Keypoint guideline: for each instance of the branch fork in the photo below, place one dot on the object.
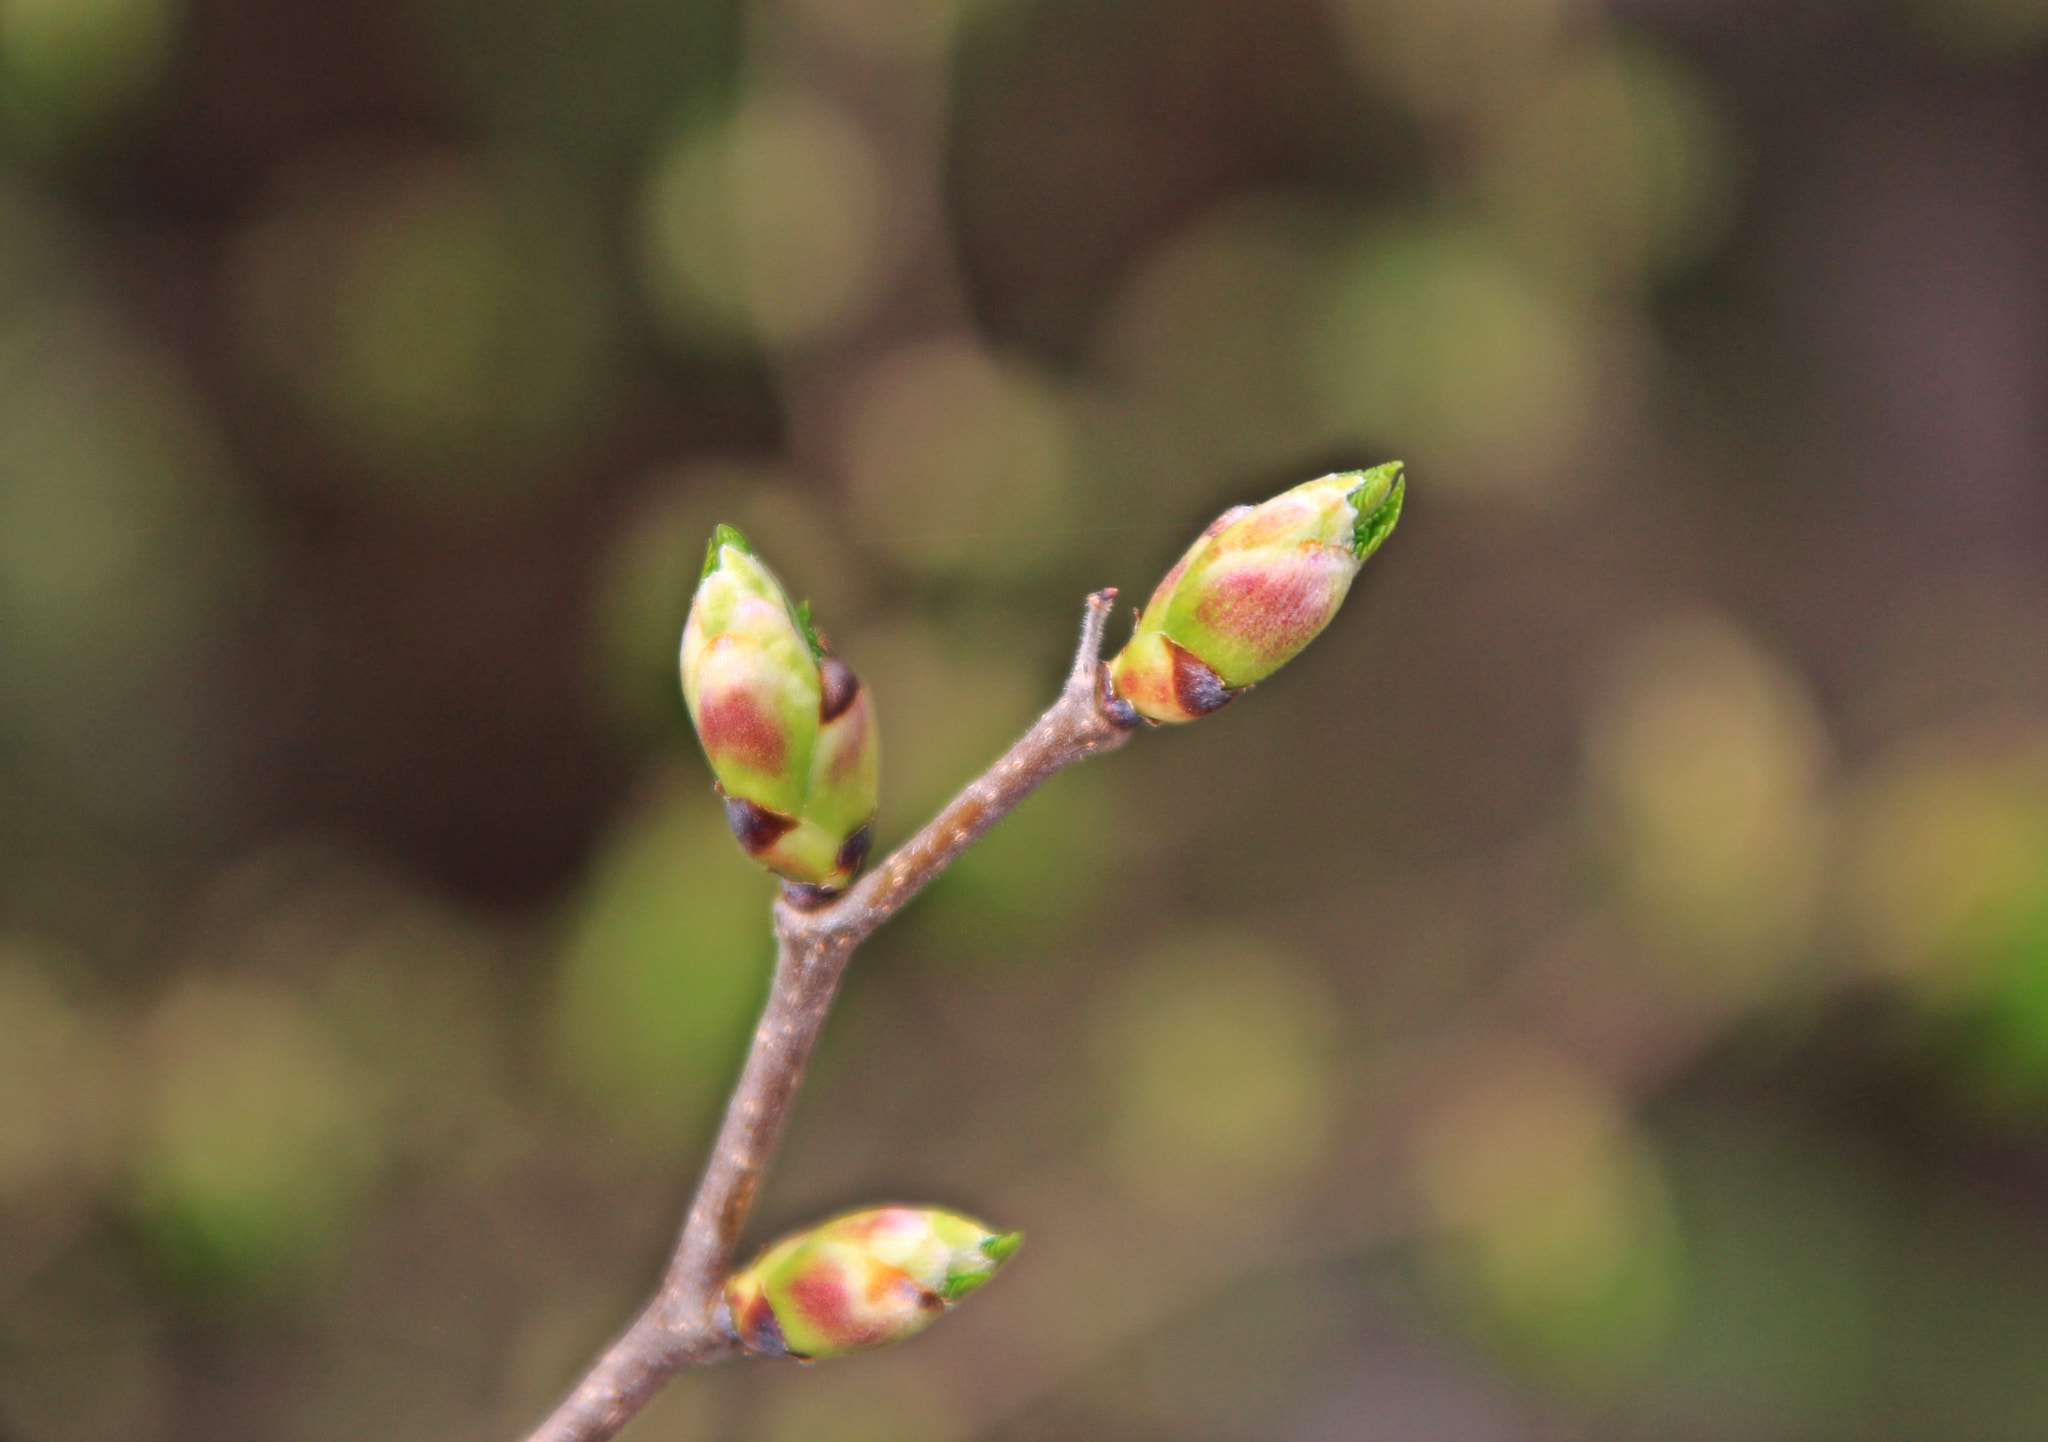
(816, 934)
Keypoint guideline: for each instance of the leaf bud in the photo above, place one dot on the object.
(785, 724)
(1253, 590)
(864, 1280)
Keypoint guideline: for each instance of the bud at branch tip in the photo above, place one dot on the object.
(785, 724)
(865, 1280)
(1255, 588)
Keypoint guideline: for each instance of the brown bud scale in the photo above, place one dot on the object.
(754, 826)
(838, 688)
(1120, 711)
(758, 1330)
(854, 850)
(805, 896)
(1198, 689)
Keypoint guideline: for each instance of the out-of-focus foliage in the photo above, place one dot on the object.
(1949, 880)
(1706, 766)
(72, 69)
(1553, 1227)
(1216, 1072)
(1434, 338)
(664, 965)
(1035, 881)
(447, 327)
(256, 1132)
(765, 225)
(959, 465)
(1600, 989)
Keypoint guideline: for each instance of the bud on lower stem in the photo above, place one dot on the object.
(785, 724)
(1254, 589)
(864, 1280)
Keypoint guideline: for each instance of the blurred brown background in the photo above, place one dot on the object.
(1599, 991)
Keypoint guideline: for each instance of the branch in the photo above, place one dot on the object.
(685, 1324)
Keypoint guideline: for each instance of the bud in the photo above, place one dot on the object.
(1253, 590)
(785, 724)
(867, 1279)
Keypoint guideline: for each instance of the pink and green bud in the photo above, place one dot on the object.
(785, 724)
(1254, 589)
(864, 1280)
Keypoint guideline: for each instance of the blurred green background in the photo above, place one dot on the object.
(1599, 992)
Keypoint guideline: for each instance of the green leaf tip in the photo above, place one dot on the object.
(722, 536)
(969, 1272)
(1377, 496)
(804, 623)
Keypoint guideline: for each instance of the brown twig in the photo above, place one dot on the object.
(686, 1324)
